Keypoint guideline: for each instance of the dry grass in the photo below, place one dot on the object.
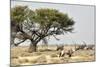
(20, 56)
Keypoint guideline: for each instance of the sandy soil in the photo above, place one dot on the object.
(20, 56)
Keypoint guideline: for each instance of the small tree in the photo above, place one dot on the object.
(39, 24)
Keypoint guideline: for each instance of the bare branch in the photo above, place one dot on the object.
(55, 37)
(20, 42)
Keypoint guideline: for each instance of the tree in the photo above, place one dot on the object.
(39, 24)
(18, 15)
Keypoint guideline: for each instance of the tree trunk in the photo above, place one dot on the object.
(13, 35)
(32, 47)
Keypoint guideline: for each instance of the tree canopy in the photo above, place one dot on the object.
(40, 23)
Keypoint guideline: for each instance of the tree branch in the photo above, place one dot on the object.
(20, 42)
(55, 37)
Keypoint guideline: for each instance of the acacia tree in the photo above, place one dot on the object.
(39, 24)
(18, 15)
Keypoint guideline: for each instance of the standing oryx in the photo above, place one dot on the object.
(68, 52)
(83, 46)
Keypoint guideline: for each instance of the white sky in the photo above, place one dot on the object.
(84, 16)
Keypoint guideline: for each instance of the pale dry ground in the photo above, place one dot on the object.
(44, 55)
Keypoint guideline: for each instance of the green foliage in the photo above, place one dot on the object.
(52, 18)
(20, 13)
(41, 23)
(44, 17)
